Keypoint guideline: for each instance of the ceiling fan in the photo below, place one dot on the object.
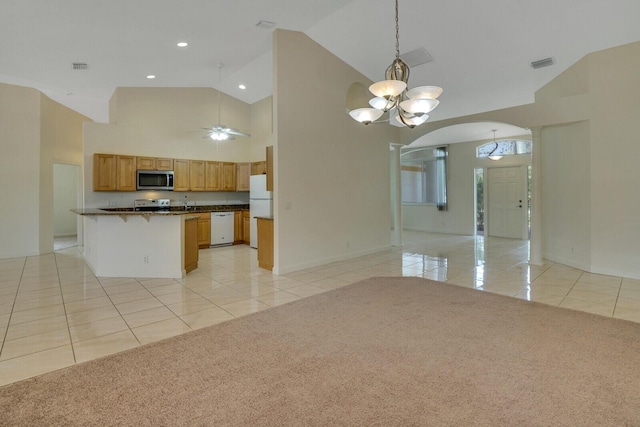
(220, 132)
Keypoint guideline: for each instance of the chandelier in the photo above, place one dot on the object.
(407, 107)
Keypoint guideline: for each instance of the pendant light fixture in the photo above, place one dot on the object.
(491, 155)
(407, 107)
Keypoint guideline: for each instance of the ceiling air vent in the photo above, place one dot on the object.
(416, 57)
(542, 63)
(79, 66)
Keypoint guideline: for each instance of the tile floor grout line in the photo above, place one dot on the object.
(15, 298)
(64, 307)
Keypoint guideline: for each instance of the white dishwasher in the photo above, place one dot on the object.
(222, 228)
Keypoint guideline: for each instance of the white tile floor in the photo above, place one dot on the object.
(54, 312)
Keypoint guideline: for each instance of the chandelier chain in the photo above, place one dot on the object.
(397, 33)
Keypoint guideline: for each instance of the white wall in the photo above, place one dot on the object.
(332, 196)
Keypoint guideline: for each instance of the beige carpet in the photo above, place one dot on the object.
(382, 352)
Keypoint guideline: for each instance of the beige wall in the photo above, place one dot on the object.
(332, 191)
(160, 122)
(588, 119)
(35, 132)
(19, 171)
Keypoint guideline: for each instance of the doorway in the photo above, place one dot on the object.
(66, 196)
(507, 202)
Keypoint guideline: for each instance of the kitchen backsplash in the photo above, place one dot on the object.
(195, 198)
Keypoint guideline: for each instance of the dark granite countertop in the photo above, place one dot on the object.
(174, 210)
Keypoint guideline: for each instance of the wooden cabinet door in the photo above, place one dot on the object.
(126, 173)
(190, 245)
(259, 168)
(213, 173)
(181, 175)
(164, 164)
(146, 163)
(243, 173)
(237, 227)
(196, 175)
(265, 243)
(270, 168)
(104, 172)
(204, 230)
(228, 176)
(246, 227)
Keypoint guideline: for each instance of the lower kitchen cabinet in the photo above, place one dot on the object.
(191, 243)
(265, 243)
(246, 227)
(237, 228)
(204, 229)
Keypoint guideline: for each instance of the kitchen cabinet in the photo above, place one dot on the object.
(265, 243)
(259, 168)
(112, 172)
(164, 164)
(237, 228)
(228, 176)
(126, 173)
(196, 175)
(146, 163)
(204, 229)
(246, 227)
(104, 172)
(180, 175)
(213, 179)
(153, 163)
(243, 173)
(191, 243)
(270, 168)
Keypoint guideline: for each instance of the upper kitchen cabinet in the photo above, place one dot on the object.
(270, 168)
(196, 175)
(228, 176)
(181, 175)
(243, 173)
(153, 163)
(114, 173)
(259, 168)
(213, 176)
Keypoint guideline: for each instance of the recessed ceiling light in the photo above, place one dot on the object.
(151, 76)
(241, 86)
(183, 44)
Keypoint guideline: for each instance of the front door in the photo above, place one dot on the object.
(507, 202)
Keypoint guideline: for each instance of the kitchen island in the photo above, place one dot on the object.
(121, 242)
(134, 244)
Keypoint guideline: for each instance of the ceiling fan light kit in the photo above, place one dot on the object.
(220, 132)
(408, 108)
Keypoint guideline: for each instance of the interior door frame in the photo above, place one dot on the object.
(524, 229)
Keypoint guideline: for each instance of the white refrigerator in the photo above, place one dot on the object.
(260, 204)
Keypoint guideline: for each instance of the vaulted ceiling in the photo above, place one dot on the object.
(481, 50)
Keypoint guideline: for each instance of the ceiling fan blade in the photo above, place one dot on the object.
(236, 132)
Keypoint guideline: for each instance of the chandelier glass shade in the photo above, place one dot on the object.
(405, 107)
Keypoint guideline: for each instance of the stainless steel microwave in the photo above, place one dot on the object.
(154, 180)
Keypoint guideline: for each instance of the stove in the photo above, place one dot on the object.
(152, 205)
